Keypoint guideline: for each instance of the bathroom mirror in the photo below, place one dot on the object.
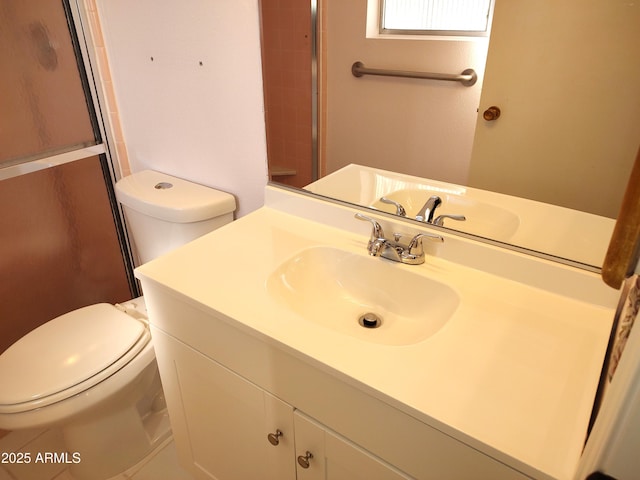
(573, 143)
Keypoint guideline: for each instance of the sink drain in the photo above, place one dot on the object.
(370, 320)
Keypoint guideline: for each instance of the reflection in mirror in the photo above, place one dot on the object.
(529, 224)
(287, 69)
(564, 141)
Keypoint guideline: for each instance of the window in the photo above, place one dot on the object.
(435, 17)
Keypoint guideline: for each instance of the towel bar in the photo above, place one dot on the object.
(466, 78)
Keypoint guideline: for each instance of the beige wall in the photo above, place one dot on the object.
(418, 127)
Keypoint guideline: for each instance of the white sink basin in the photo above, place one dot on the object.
(334, 288)
(483, 219)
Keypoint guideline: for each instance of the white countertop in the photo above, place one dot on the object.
(513, 372)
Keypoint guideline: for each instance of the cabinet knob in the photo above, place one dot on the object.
(303, 461)
(274, 438)
(491, 114)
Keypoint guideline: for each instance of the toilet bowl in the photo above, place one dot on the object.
(99, 373)
(92, 372)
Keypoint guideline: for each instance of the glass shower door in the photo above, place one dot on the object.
(60, 236)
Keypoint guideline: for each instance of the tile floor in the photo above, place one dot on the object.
(161, 464)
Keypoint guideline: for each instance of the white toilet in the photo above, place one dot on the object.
(92, 372)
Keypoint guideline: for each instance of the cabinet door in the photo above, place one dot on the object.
(220, 420)
(333, 457)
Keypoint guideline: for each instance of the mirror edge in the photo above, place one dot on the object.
(624, 248)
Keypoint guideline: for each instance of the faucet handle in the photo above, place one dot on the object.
(416, 242)
(376, 229)
(377, 241)
(439, 221)
(399, 208)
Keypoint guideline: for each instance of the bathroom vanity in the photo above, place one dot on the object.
(485, 365)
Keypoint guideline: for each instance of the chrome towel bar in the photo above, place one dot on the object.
(466, 78)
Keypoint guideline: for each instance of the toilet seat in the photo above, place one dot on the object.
(91, 344)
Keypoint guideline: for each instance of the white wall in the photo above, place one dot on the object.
(196, 110)
(418, 127)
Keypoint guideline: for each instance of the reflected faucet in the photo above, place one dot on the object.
(426, 213)
(399, 208)
(439, 221)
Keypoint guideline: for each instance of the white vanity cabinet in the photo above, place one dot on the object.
(333, 457)
(228, 389)
(221, 421)
(227, 428)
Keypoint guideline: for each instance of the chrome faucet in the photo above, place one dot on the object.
(428, 210)
(399, 249)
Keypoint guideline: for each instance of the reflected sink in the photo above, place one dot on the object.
(483, 219)
(334, 288)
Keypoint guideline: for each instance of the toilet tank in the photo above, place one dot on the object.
(165, 212)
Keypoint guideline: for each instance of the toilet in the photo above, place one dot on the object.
(92, 372)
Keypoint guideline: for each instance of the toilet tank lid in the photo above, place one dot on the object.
(172, 199)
